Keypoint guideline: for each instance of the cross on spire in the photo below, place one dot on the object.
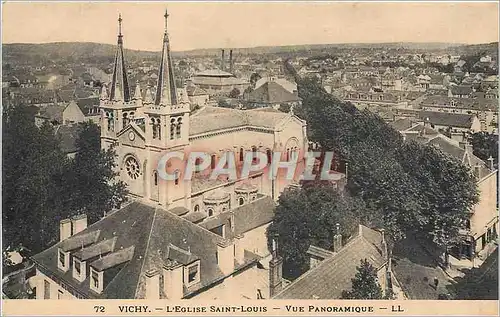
(166, 19)
(120, 24)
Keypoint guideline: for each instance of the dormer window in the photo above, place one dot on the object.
(79, 271)
(96, 280)
(192, 274)
(63, 260)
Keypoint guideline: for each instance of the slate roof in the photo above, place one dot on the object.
(447, 119)
(67, 135)
(52, 112)
(210, 119)
(402, 124)
(271, 93)
(479, 103)
(144, 238)
(85, 104)
(333, 275)
(195, 91)
(461, 90)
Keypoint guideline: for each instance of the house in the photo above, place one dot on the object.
(197, 96)
(482, 227)
(67, 114)
(217, 82)
(484, 108)
(272, 94)
(457, 122)
(90, 109)
(460, 91)
(331, 271)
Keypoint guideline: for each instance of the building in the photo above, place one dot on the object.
(177, 238)
(219, 83)
(484, 108)
(271, 94)
(454, 122)
(483, 226)
(331, 271)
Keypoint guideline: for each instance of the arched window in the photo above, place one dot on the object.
(241, 201)
(155, 131)
(287, 154)
(212, 162)
(111, 123)
(197, 164)
(177, 175)
(269, 156)
(125, 120)
(210, 212)
(155, 177)
(196, 208)
(241, 154)
(254, 154)
(224, 209)
(172, 129)
(158, 128)
(178, 128)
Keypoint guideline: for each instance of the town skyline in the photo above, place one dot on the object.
(373, 23)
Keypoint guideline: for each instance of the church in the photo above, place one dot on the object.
(175, 239)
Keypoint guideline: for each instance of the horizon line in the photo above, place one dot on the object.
(255, 47)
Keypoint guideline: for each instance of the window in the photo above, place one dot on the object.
(62, 259)
(197, 164)
(212, 162)
(155, 177)
(196, 208)
(269, 156)
(210, 212)
(60, 294)
(254, 154)
(172, 129)
(241, 154)
(78, 267)
(177, 175)
(193, 274)
(241, 201)
(95, 279)
(132, 167)
(178, 128)
(46, 289)
(125, 120)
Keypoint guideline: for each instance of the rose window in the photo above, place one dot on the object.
(132, 167)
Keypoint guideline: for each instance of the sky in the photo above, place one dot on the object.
(235, 25)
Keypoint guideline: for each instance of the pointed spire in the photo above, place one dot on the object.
(148, 98)
(104, 93)
(137, 93)
(120, 90)
(166, 93)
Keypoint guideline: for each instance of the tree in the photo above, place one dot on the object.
(308, 216)
(364, 283)
(485, 145)
(33, 181)
(94, 186)
(254, 78)
(235, 93)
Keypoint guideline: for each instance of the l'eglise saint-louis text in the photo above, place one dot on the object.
(216, 309)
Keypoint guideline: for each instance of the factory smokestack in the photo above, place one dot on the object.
(231, 61)
(222, 64)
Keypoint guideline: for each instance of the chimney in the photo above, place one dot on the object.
(231, 61)
(223, 62)
(384, 244)
(477, 170)
(225, 257)
(173, 283)
(79, 223)
(152, 284)
(275, 270)
(64, 229)
(337, 239)
(239, 251)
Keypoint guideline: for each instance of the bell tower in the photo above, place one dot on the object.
(166, 115)
(118, 106)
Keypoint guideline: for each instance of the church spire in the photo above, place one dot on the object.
(166, 93)
(120, 90)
